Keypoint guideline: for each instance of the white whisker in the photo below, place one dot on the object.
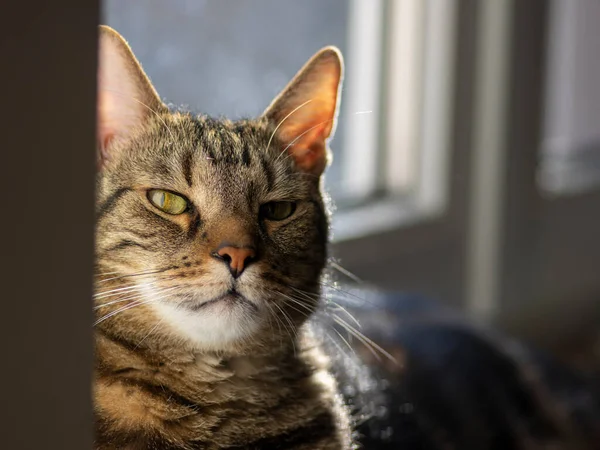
(124, 308)
(284, 119)
(345, 341)
(121, 289)
(137, 295)
(302, 134)
(291, 329)
(368, 343)
(338, 307)
(149, 272)
(346, 272)
(152, 330)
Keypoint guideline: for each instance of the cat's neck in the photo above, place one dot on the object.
(206, 396)
(120, 358)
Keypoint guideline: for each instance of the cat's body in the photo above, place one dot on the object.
(183, 400)
(461, 386)
(210, 241)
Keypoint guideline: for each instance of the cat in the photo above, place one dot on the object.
(211, 237)
(211, 324)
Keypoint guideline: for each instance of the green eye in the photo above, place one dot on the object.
(167, 201)
(277, 210)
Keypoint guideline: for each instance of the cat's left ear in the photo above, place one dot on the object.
(305, 112)
(126, 98)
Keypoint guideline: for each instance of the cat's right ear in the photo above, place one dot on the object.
(126, 98)
(304, 114)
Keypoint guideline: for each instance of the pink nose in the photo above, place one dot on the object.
(236, 258)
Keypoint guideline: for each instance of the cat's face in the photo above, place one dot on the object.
(210, 232)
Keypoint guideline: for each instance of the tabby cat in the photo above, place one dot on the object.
(210, 242)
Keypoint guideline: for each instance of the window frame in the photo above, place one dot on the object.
(417, 241)
(501, 250)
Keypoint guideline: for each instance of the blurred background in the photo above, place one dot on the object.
(467, 154)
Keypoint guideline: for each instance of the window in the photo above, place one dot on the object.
(571, 147)
(398, 104)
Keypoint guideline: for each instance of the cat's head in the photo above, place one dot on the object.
(210, 233)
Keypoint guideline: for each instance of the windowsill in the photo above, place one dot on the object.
(376, 217)
(572, 173)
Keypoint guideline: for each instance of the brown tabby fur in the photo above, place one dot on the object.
(172, 371)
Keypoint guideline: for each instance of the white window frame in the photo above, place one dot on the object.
(498, 247)
(398, 114)
(412, 143)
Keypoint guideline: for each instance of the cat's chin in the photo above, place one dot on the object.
(222, 303)
(215, 324)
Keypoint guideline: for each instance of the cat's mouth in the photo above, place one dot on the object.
(230, 297)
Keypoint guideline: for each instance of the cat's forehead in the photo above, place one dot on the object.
(226, 142)
(222, 158)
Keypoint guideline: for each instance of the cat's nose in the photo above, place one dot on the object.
(236, 258)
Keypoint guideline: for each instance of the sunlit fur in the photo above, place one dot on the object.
(229, 176)
(172, 369)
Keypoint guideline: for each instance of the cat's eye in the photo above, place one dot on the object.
(277, 210)
(167, 201)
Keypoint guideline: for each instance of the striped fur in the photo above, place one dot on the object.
(175, 368)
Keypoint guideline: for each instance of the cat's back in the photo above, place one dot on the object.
(459, 386)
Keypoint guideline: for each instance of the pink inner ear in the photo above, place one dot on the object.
(125, 95)
(311, 159)
(307, 147)
(104, 138)
(118, 114)
(104, 127)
